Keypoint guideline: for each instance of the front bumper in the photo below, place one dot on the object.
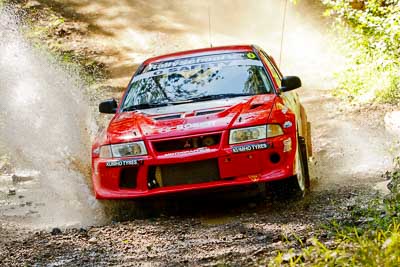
(229, 165)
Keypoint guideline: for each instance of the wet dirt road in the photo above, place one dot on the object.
(350, 154)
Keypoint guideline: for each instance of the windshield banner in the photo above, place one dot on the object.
(196, 60)
(204, 65)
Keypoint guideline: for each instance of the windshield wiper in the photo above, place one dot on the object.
(179, 102)
(144, 106)
(217, 96)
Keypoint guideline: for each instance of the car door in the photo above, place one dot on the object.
(289, 99)
(292, 101)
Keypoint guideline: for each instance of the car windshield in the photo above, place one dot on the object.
(200, 78)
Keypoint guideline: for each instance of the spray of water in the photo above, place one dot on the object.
(44, 117)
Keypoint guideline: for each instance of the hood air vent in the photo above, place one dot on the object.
(167, 117)
(206, 112)
(253, 106)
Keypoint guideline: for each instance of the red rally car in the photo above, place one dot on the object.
(202, 119)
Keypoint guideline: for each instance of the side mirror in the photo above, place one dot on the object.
(290, 83)
(109, 106)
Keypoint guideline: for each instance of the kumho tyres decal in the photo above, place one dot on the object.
(249, 147)
(121, 163)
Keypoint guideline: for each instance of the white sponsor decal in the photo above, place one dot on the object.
(287, 124)
(193, 151)
(122, 163)
(189, 126)
(193, 61)
(250, 147)
(196, 125)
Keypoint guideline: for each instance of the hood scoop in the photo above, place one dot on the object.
(254, 106)
(178, 116)
(207, 112)
(167, 117)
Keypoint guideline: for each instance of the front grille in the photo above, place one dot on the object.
(183, 173)
(187, 143)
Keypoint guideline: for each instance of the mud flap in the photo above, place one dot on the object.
(304, 158)
(308, 140)
(306, 130)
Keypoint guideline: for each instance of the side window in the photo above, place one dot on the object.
(275, 74)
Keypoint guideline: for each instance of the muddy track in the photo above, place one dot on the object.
(350, 156)
(239, 231)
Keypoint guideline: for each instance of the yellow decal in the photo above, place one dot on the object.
(254, 178)
(251, 55)
(281, 107)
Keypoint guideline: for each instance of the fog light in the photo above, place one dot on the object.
(287, 145)
(275, 158)
(158, 176)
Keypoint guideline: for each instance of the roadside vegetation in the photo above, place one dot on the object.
(370, 33)
(369, 235)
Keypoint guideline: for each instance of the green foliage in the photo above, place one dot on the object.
(370, 31)
(368, 236)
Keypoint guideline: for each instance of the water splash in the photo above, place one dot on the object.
(44, 120)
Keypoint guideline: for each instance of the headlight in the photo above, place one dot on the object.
(105, 152)
(254, 133)
(128, 149)
(247, 134)
(274, 130)
(123, 150)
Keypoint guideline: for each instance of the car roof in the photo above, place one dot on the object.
(209, 50)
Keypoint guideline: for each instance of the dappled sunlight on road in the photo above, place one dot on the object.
(130, 31)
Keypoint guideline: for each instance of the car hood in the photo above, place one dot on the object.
(190, 118)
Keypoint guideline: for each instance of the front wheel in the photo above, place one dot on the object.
(295, 186)
(301, 181)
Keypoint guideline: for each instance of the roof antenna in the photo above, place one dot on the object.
(283, 31)
(209, 25)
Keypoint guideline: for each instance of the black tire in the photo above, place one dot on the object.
(295, 186)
